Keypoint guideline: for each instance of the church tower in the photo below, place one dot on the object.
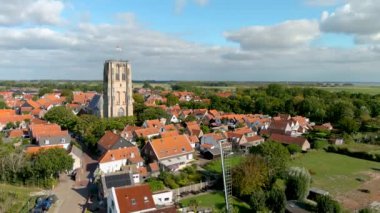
(117, 89)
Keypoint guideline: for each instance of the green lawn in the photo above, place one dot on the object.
(334, 172)
(216, 165)
(215, 200)
(357, 147)
(14, 198)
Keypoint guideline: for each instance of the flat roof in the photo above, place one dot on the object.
(118, 180)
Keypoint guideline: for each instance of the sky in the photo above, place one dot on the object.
(209, 40)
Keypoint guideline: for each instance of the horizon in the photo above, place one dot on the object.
(192, 40)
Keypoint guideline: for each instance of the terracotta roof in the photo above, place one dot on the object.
(171, 146)
(285, 139)
(169, 134)
(7, 112)
(14, 118)
(301, 120)
(217, 136)
(193, 139)
(16, 133)
(130, 153)
(34, 104)
(146, 132)
(254, 138)
(44, 129)
(154, 123)
(244, 130)
(108, 140)
(154, 167)
(134, 198)
(224, 94)
(38, 121)
(170, 127)
(36, 149)
(143, 171)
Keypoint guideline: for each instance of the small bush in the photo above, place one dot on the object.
(321, 144)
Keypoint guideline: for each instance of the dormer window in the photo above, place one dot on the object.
(133, 202)
(183, 149)
(132, 155)
(63, 140)
(47, 142)
(146, 199)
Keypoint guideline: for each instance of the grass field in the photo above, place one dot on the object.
(334, 172)
(356, 147)
(215, 200)
(372, 90)
(216, 165)
(14, 198)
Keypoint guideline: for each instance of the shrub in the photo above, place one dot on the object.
(257, 201)
(293, 148)
(298, 183)
(321, 144)
(327, 204)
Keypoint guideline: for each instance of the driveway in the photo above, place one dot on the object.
(73, 195)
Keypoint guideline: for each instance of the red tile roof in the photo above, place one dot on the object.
(130, 153)
(36, 149)
(134, 198)
(285, 139)
(169, 134)
(39, 130)
(146, 132)
(16, 133)
(154, 167)
(171, 146)
(108, 140)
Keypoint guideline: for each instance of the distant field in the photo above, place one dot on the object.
(372, 90)
(164, 85)
(215, 200)
(334, 172)
(14, 198)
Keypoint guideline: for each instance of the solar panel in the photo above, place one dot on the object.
(118, 180)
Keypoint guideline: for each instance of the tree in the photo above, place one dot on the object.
(147, 85)
(152, 113)
(137, 98)
(293, 149)
(68, 94)
(50, 162)
(62, 116)
(249, 176)
(44, 91)
(205, 129)
(257, 201)
(190, 118)
(327, 204)
(320, 144)
(297, 184)
(171, 100)
(349, 125)
(275, 155)
(155, 184)
(276, 198)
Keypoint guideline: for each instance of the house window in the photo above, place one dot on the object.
(146, 199)
(166, 199)
(47, 142)
(124, 75)
(183, 149)
(63, 140)
(133, 201)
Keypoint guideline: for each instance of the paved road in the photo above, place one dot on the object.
(73, 195)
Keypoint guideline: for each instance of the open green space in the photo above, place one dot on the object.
(215, 200)
(372, 90)
(15, 199)
(358, 147)
(216, 165)
(334, 172)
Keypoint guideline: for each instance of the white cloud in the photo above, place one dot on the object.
(358, 17)
(13, 12)
(289, 34)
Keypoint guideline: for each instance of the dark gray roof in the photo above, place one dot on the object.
(95, 101)
(118, 180)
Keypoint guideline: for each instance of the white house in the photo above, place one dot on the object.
(163, 198)
(114, 160)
